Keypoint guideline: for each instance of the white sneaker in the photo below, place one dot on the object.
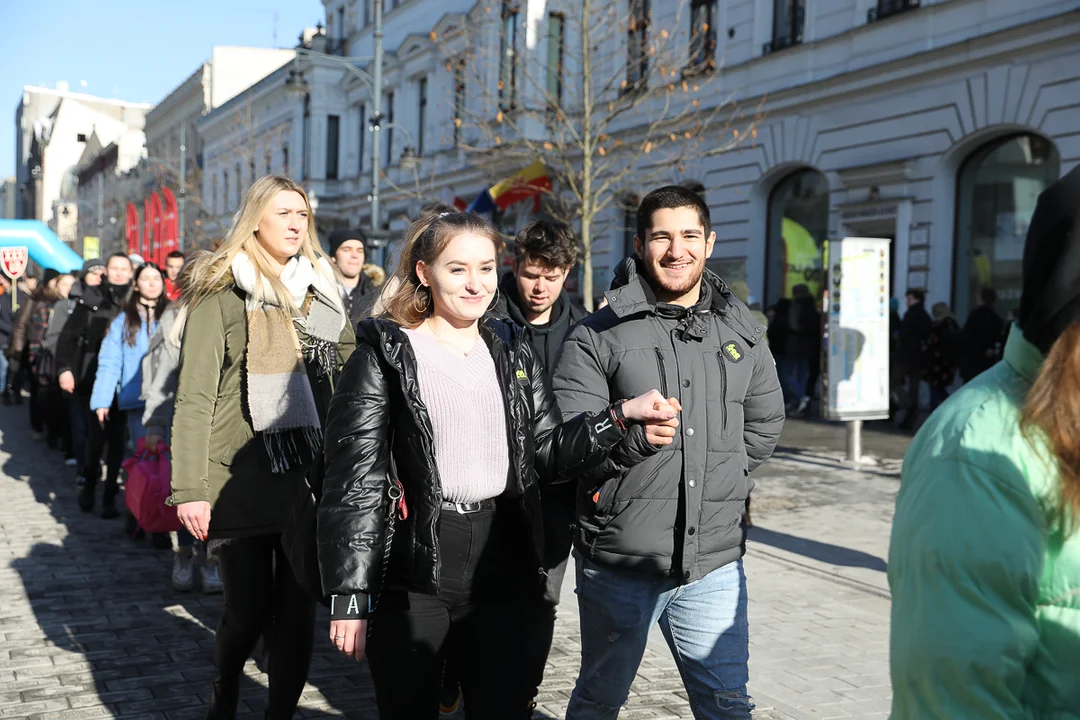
(211, 579)
(183, 571)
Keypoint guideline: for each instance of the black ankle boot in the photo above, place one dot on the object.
(86, 498)
(224, 697)
(108, 508)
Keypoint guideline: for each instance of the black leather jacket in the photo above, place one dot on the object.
(377, 422)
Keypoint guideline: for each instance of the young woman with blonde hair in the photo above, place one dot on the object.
(264, 337)
(439, 436)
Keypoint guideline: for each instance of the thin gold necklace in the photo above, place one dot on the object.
(451, 343)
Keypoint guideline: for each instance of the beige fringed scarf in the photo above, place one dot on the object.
(279, 396)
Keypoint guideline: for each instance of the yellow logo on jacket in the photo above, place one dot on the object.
(520, 375)
(733, 351)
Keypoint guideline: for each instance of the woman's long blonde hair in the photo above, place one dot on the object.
(409, 303)
(212, 272)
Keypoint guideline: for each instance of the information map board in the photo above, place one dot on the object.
(856, 342)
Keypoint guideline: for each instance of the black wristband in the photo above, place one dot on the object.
(619, 416)
(349, 607)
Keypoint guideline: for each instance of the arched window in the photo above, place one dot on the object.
(996, 192)
(797, 230)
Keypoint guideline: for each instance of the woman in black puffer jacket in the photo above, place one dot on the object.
(441, 430)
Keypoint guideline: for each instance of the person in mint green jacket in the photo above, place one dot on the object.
(984, 562)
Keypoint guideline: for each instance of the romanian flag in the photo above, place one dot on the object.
(528, 183)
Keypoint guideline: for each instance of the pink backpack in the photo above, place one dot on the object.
(147, 488)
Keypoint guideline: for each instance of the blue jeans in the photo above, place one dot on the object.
(3, 367)
(705, 625)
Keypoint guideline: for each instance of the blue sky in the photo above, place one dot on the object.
(132, 50)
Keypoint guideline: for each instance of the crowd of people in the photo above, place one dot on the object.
(425, 453)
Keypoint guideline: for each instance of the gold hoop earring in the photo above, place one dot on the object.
(421, 302)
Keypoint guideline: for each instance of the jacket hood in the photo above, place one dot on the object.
(1050, 301)
(631, 293)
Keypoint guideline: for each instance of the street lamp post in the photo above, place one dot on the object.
(295, 83)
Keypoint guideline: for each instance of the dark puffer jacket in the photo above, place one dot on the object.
(80, 340)
(680, 513)
(377, 420)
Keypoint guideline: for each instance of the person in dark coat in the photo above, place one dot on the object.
(914, 329)
(803, 348)
(76, 367)
(663, 541)
(942, 352)
(6, 326)
(533, 297)
(982, 337)
(347, 252)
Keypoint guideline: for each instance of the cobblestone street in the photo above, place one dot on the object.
(91, 628)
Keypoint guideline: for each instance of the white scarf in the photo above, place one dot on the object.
(297, 276)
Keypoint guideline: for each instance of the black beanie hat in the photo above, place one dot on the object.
(1050, 300)
(91, 264)
(50, 273)
(339, 237)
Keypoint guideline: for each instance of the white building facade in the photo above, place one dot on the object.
(935, 123)
(172, 124)
(53, 127)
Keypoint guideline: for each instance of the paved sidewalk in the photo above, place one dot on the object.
(90, 627)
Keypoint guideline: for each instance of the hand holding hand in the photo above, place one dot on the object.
(662, 433)
(349, 637)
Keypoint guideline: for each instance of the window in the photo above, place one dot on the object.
(459, 99)
(788, 18)
(637, 45)
(251, 170)
(703, 35)
(81, 137)
(888, 8)
(341, 25)
(996, 192)
(285, 160)
(555, 45)
(225, 183)
(268, 162)
(798, 225)
(507, 57)
(213, 194)
(367, 13)
(421, 119)
(389, 135)
(239, 185)
(333, 139)
(363, 139)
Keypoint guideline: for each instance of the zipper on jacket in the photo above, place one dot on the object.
(663, 372)
(723, 390)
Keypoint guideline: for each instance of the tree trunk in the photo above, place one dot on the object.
(586, 262)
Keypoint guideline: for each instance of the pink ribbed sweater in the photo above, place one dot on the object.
(468, 418)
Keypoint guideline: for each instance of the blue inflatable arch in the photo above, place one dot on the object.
(45, 248)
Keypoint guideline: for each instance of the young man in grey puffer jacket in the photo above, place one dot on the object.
(662, 540)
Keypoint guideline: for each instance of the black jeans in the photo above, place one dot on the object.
(476, 622)
(262, 598)
(111, 439)
(558, 503)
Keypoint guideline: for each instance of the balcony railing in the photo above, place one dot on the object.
(888, 8)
